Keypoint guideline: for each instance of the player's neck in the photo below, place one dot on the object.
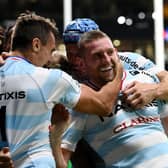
(17, 53)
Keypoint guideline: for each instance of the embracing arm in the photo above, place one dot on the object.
(103, 101)
(165, 124)
(162, 88)
(138, 94)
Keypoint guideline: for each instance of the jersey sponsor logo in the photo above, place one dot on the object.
(136, 72)
(122, 106)
(132, 63)
(148, 74)
(12, 95)
(134, 122)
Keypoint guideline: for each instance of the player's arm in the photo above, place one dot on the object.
(162, 89)
(55, 141)
(138, 94)
(67, 154)
(60, 121)
(1, 60)
(164, 118)
(3, 56)
(103, 101)
(62, 156)
(165, 124)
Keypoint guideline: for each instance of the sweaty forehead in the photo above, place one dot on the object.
(101, 43)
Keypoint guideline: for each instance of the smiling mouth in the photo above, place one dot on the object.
(106, 69)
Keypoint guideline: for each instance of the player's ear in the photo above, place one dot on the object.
(36, 44)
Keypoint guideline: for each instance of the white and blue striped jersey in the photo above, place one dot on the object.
(127, 138)
(136, 61)
(27, 95)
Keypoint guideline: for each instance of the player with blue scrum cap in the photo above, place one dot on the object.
(131, 61)
(71, 36)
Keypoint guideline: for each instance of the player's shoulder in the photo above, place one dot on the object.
(142, 75)
(130, 55)
(46, 71)
(133, 60)
(43, 75)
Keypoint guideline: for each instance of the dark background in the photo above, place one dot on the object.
(137, 37)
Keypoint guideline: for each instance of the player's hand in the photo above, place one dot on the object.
(60, 121)
(60, 114)
(2, 61)
(137, 94)
(117, 65)
(3, 56)
(5, 158)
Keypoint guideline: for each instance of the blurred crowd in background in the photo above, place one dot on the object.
(129, 23)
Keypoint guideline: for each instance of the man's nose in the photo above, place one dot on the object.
(106, 57)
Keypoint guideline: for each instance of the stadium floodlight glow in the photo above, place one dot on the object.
(129, 22)
(121, 20)
(141, 15)
(154, 15)
(117, 43)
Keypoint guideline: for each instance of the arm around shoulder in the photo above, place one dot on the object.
(101, 102)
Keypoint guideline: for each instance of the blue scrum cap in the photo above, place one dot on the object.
(76, 28)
